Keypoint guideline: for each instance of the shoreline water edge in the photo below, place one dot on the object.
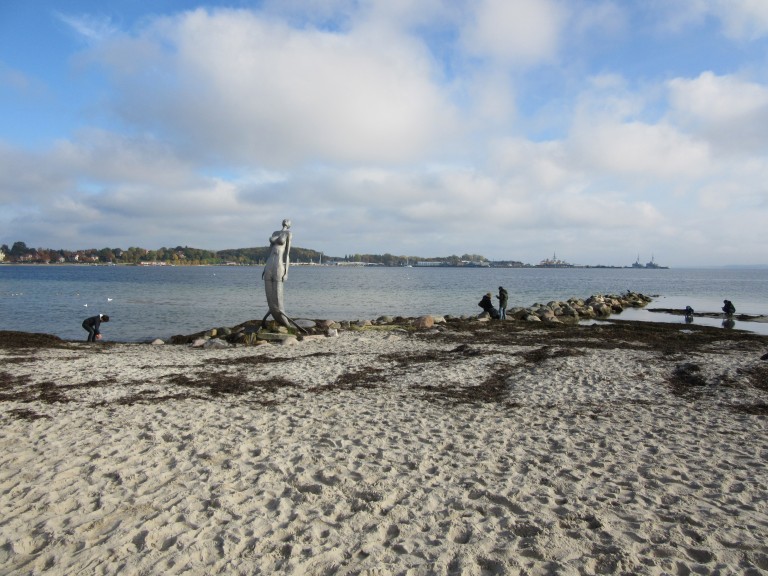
(145, 303)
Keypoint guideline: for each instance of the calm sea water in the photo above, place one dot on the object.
(157, 302)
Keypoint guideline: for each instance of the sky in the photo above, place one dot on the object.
(598, 131)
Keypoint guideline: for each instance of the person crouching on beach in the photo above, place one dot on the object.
(487, 305)
(728, 308)
(92, 324)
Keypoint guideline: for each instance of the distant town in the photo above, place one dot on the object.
(20, 253)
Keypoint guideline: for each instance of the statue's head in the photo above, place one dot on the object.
(286, 223)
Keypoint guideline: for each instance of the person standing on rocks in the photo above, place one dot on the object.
(92, 325)
(503, 299)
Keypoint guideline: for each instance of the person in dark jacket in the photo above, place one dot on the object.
(729, 308)
(503, 299)
(92, 324)
(487, 305)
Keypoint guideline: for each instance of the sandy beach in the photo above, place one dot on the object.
(475, 448)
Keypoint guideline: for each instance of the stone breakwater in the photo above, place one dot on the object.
(252, 333)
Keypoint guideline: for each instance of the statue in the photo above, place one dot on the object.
(275, 274)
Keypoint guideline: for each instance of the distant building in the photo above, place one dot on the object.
(2, 256)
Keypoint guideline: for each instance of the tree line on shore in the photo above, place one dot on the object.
(20, 253)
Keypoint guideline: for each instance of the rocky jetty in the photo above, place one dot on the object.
(573, 310)
(252, 333)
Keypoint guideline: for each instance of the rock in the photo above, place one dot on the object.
(222, 332)
(198, 342)
(439, 319)
(601, 309)
(545, 314)
(216, 344)
(532, 318)
(332, 332)
(304, 323)
(310, 337)
(274, 336)
(424, 322)
(157, 342)
(385, 320)
(363, 323)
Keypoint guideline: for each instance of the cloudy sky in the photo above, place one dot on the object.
(598, 130)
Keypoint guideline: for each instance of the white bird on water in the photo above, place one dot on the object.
(109, 299)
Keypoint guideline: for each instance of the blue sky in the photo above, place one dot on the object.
(597, 130)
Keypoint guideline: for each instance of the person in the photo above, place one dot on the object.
(276, 272)
(688, 314)
(92, 325)
(487, 305)
(503, 298)
(729, 308)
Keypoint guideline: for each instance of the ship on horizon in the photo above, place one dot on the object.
(648, 265)
(554, 262)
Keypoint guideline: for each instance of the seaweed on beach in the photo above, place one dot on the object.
(539, 355)
(368, 378)
(228, 384)
(257, 360)
(145, 397)
(50, 393)
(9, 381)
(756, 376)
(493, 390)
(670, 340)
(756, 409)
(25, 414)
(687, 382)
(20, 389)
(20, 359)
(461, 352)
(10, 339)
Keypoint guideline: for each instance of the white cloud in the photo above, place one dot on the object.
(741, 20)
(523, 32)
(729, 112)
(91, 28)
(14, 79)
(641, 149)
(258, 92)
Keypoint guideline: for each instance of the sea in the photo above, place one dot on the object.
(149, 302)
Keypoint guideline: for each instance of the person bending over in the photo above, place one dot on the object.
(92, 324)
(487, 305)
